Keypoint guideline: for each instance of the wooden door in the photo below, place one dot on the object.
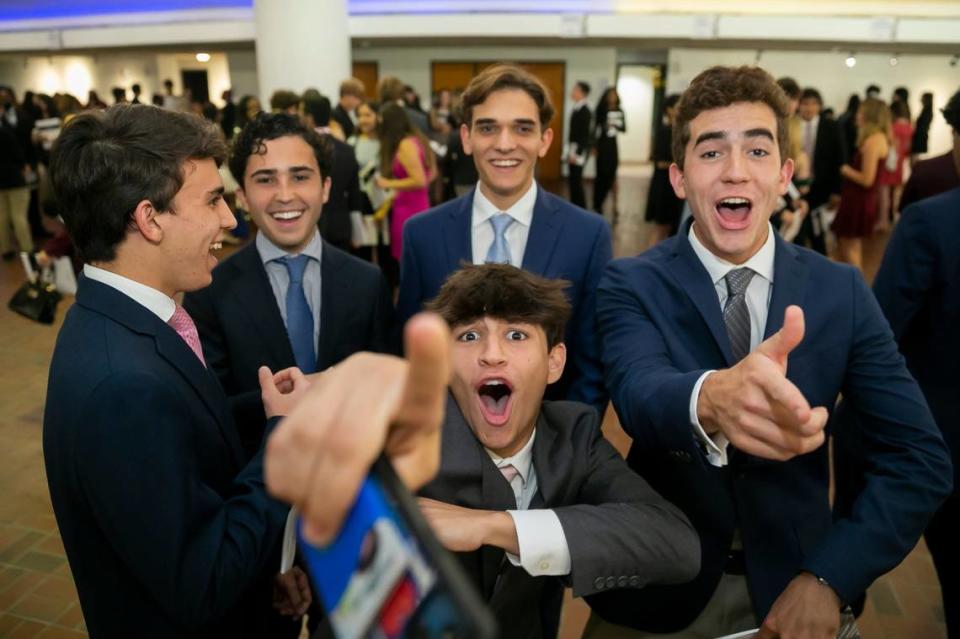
(369, 74)
(456, 75)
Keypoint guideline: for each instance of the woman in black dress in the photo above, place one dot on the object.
(663, 205)
(610, 123)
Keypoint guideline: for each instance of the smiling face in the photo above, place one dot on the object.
(500, 372)
(505, 139)
(284, 192)
(366, 119)
(192, 229)
(732, 177)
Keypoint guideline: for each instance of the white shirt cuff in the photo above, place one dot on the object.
(543, 546)
(716, 446)
(289, 541)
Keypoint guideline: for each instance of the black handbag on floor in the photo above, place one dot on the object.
(35, 299)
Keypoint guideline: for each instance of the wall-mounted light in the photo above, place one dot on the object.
(203, 57)
(851, 61)
(894, 60)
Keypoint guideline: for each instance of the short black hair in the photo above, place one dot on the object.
(319, 109)
(271, 126)
(584, 87)
(135, 88)
(811, 94)
(104, 163)
(873, 88)
(951, 112)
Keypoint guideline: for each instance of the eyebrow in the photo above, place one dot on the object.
(217, 191)
(292, 169)
(760, 132)
(493, 121)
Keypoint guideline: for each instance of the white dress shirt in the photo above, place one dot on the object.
(757, 299)
(279, 276)
(156, 302)
(543, 546)
(810, 138)
(481, 231)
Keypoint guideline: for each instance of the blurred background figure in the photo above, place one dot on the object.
(610, 122)
(663, 205)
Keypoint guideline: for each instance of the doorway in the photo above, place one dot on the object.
(196, 82)
(641, 92)
(369, 74)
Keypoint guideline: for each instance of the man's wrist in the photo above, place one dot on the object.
(823, 583)
(500, 531)
(705, 412)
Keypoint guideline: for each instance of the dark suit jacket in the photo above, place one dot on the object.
(662, 328)
(164, 525)
(918, 288)
(579, 135)
(828, 156)
(343, 119)
(620, 533)
(344, 196)
(930, 177)
(241, 328)
(564, 242)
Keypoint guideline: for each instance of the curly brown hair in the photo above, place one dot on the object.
(505, 76)
(504, 292)
(719, 87)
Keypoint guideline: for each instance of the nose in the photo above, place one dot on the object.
(492, 352)
(734, 169)
(227, 219)
(505, 141)
(284, 192)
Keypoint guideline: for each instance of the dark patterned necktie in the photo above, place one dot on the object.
(735, 314)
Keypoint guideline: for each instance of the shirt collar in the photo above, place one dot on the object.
(269, 251)
(761, 262)
(581, 103)
(521, 211)
(522, 460)
(814, 121)
(156, 302)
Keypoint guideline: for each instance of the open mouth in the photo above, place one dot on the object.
(286, 216)
(216, 246)
(505, 164)
(494, 395)
(734, 212)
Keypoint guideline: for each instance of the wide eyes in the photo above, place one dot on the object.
(516, 335)
(512, 335)
(468, 336)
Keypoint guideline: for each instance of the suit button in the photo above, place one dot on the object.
(634, 581)
(544, 565)
(611, 582)
(598, 583)
(685, 457)
(622, 582)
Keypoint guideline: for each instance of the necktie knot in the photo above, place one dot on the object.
(509, 471)
(499, 252)
(183, 324)
(296, 265)
(738, 280)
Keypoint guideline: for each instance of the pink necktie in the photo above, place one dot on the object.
(183, 324)
(509, 472)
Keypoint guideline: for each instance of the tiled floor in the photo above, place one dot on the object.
(37, 596)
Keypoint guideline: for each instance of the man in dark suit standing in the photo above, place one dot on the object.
(529, 494)
(351, 95)
(288, 298)
(509, 218)
(824, 148)
(918, 288)
(578, 146)
(937, 174)
(166, 524)
(345, 199)
(725, 349)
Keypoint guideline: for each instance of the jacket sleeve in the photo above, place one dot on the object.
(410, 299)
(621, 527)
(193, 550)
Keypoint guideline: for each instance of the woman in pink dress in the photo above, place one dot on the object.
(407, 167)
(857, 214)
(891, 181)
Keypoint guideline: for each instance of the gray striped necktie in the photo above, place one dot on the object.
(735, 314)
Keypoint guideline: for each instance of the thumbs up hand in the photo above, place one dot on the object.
(756, 407)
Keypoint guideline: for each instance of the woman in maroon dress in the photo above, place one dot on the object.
(859, 194)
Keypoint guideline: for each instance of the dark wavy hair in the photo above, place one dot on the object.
(104, 163)
(270, 126)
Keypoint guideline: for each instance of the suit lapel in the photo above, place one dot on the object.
(456, 233)
(252, 292)
(693, 278)
(548, 473)
(333, 290)
(789, 284)
(544, 232)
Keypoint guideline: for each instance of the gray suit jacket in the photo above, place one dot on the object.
(620, 533)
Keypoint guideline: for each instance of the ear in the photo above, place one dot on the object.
(241, 199)
(556, 360)
(465, 139)
(145, 220)
(546, 139)
(676, 180)
(326, 189)
(786, 174)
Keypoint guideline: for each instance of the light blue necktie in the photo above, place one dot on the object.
(299, 315)
(499, 252)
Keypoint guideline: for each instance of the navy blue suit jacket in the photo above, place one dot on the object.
(918, 287)
(241, 328)
(165, 528)
(565, 242)
(662, 327)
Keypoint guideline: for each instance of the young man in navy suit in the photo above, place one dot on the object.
(725, 349)
(251, 315)
(167, 529)
(509, 218)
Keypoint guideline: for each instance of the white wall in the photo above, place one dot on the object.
(635, 86)
(826, 72)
